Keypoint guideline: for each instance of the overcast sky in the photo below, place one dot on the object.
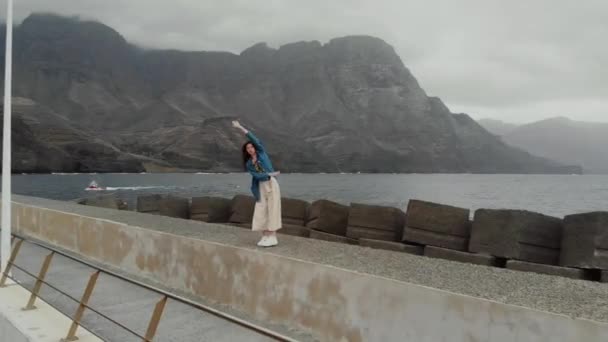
(517, 61)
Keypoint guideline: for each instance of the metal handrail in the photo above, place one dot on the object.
(83, 303)
(77, 301)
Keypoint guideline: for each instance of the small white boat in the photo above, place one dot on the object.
(94, 187)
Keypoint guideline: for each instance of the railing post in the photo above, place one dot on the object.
(11, 260)
(39, 281)
(83, 304)
(12, 242)
(155, 319)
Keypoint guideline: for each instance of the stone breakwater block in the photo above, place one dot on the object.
(314, 234)
(329, 217)
(449, 254)
(122, 204)
(391, 246)
(437, 225)
(375, 222)
(149, 203)
(438, 218)
(105, 201)
(429, 238)
(585, 241)
(604, 276)
(517, 234)
(370, 233)
(295, 230)
(574, 273)
(210, 209)
(173, 206)
(241, 225)
(294, 211)
(241, 209)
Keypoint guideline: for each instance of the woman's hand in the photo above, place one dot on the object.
(236, 124)
(274, 174)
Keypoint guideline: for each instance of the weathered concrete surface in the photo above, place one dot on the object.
(149, 203)
(311, 283)
(329, 217)
(44, 324)
(173, 206)
(376, 217)
(449, 254)
(568, 272)
(438, 218)
(294, 211)
(375, 222)
(294, 215)
(370, 233)
(391, 246)
(8, 332)
(241, 210)
(105, 201)
(430, 238)
(585, 241)
(290, 229)
(517, 234)
(210, 209)
(315, 234)
(241, 225)
(437, 225)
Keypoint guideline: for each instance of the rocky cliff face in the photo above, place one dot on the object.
(348, 105)
(46, 142)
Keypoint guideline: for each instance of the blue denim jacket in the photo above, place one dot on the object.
(264, 162)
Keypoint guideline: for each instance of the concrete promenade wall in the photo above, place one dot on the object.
(335, 304)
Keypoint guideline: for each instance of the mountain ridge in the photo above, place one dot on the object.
(348, 105)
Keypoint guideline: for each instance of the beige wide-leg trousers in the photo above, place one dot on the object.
(267, 212)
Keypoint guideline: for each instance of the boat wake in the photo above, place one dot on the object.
(111, 188)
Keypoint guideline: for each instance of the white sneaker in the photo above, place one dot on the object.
(272, 240)
(268, 241)
(263, 241)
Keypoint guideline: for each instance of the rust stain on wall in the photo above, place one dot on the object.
(26, 219)
(59, 228)
(155, 254)
(325, 310)
(253, 283)
(140, 261)
(87, 240)
(193, 266)
(115, 244)
(279, 301)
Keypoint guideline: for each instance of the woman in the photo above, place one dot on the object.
(265, 189)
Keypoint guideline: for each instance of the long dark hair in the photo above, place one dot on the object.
(246, 155)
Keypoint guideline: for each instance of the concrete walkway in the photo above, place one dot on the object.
(44, 324)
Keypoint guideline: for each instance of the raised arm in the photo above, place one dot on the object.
(236, 124)
(254, 140)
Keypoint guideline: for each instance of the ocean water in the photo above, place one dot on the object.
(556, 195)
